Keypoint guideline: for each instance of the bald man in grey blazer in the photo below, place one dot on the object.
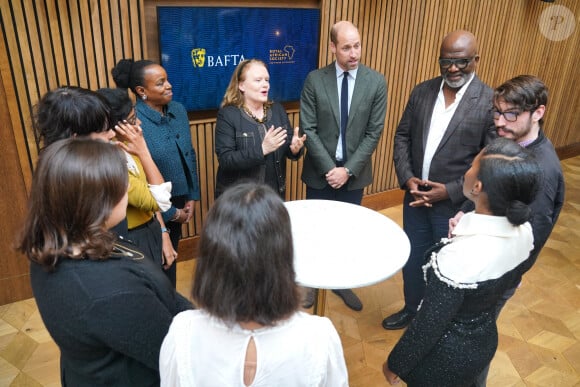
(337, 165)
(446, 123)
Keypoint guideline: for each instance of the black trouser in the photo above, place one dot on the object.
(148, 238)
(175, 235)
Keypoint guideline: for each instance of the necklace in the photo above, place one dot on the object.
(120, 250)
(258, 120)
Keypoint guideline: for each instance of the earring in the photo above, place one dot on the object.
(144, 97)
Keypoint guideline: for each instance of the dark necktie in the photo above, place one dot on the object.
(344, 113)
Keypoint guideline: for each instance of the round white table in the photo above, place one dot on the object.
(340, 245)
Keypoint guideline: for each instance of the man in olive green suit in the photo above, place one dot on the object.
(337, 165)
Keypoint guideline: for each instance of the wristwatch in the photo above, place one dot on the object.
(348, 172)
(164, 229)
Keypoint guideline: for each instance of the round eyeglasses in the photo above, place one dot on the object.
(460, 63)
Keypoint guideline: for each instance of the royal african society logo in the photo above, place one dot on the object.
(199, 59)
(283, 55)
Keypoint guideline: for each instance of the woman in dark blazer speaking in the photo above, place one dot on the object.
(253, 136)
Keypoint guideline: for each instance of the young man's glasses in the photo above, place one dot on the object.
(460, 63)
(508, 116)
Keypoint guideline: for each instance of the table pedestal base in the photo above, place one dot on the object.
(320, 303)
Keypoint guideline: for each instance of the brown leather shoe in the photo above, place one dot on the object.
(350, 299)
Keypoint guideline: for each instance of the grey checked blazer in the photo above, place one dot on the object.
(471, 128)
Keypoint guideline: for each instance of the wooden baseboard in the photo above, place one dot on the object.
(382, 200)
(15, 288)
(188, 248)
(568, 151)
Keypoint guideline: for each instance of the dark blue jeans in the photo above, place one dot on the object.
(424, 226)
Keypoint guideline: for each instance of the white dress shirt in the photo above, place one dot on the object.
(439, 122)
(351, 81)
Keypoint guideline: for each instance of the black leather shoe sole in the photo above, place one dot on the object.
(398, 320)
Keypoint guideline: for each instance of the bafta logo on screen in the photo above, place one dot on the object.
(198, 57)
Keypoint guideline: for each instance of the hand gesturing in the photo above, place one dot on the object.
(273, 139)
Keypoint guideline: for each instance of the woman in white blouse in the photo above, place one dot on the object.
(249, 330)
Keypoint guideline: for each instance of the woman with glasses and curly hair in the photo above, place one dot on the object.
(149, 194)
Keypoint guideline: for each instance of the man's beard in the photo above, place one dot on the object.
(458, 83)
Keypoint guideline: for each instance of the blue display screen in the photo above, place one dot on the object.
(201, 46)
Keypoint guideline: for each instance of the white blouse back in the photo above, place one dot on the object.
(200, 350)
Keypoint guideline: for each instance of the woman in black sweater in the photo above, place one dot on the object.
(106, 307)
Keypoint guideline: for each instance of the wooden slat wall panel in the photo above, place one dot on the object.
(14, 279)
(52, 43)
(401, 40)
(48, 43)
(15, 83)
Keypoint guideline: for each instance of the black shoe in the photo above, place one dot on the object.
(399, 320)
(349, 298)
(310, 296)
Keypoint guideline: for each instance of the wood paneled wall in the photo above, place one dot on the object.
(48, 43)
(401, 39)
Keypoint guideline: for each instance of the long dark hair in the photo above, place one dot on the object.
(76, 185)
(245, 271)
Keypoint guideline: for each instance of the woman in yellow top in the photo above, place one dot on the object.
(148, 193)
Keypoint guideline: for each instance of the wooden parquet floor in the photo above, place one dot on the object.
(539, 328)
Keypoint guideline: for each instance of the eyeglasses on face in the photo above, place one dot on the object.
(132, 119)
(460, 63)
(510, 116)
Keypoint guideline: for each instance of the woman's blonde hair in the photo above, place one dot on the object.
(233, 95)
